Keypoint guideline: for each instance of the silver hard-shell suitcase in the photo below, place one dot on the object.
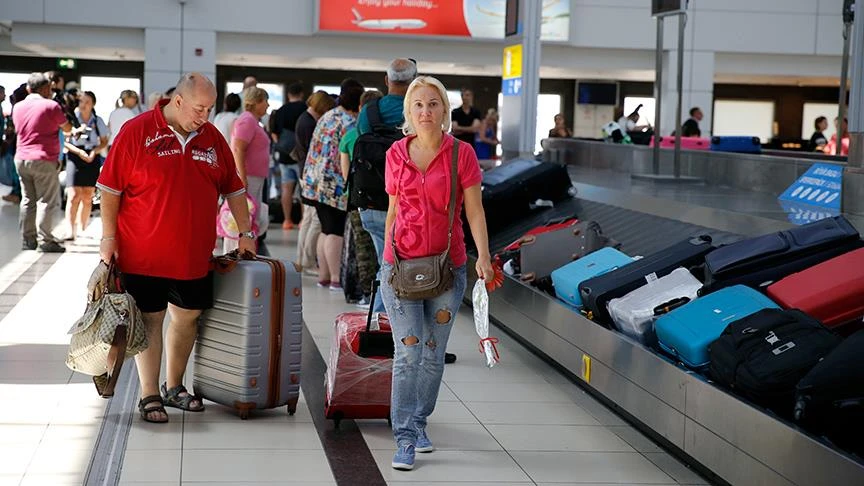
(635, 313)
(248, 350)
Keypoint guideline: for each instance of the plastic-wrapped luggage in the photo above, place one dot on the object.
(745, 145)
(359, 368)
(763, 260)
(686, 332)
(764, 355)
(635, 313)
(832, 291)
(598, 291)
(248, 350)
(567, 278)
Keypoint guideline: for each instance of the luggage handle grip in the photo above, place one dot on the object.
(668, 307)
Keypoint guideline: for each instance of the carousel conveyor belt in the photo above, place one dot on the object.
(725, 437)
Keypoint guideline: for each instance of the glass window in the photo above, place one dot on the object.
(274, 91)
(548, 105)
(11, 81)
(646, 113)
(107, 90)
(745, 118)
(812, 111)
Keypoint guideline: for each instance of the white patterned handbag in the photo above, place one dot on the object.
(110, 331)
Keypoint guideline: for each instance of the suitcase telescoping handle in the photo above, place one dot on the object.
(375, 284)
(668, 307)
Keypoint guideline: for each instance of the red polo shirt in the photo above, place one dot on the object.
(169, 194)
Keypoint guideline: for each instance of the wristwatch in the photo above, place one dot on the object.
(248, 234)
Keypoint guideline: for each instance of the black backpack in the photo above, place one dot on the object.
(366, 177)
(764, 355)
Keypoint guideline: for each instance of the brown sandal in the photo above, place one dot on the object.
(146, 411)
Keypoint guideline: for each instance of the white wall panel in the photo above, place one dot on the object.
(204, 40)
(772, 6)
(29, 11)
(613, 27)
(834, 7)
(120, 13)
(162, 50)
(829, 35)
(772, 33)
(294, 17)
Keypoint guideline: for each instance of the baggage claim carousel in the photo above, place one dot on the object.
(723, 436)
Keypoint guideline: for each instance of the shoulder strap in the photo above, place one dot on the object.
(451, 210)
(373, 114)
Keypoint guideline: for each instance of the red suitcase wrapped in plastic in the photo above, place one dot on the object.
(832, 291)
(356, 386)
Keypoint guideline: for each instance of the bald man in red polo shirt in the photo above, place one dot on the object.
(160, 189)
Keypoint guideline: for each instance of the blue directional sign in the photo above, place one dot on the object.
(511, 87)
(815, 195)
(820, 186)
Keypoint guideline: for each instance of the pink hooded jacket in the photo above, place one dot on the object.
(421, 217)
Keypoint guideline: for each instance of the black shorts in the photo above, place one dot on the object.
(152, 294)
(332, 219)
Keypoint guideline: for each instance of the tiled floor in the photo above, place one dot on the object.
(521, 423)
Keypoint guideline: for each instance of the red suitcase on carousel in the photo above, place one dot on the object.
(832, 291)
(359, 367)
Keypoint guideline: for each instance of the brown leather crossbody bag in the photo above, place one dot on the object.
(427, 277)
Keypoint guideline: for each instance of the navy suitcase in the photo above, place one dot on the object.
(686, 332)
(744, 145)
(598, 291)
(509, 189)
(567, 278)
(760, 261)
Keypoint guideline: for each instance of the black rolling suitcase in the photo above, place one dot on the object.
(830, 398)
(764, 355)
(508, 190)
(598, 291)
(760, 261)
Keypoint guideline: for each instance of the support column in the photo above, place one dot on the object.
(519, 109)
(853, 177)
(698, 87)
(170, 52)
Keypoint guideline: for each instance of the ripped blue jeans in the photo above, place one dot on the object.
(418, 364)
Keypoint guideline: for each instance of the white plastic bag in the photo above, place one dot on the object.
(480, 300)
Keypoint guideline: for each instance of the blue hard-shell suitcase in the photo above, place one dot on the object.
(686, 332)
(747, 145)
(567, 278)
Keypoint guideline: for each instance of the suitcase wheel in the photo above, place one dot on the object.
(389, 422)
(292, 406)
(337, 419)
(244, 414)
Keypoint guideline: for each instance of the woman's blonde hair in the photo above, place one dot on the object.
(422, 82)
(252, 96)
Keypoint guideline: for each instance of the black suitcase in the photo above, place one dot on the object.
(509, 189)
(764, 355)
(829, 400)
(598, 291)
(760, 261)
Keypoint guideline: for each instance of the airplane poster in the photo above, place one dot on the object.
(459, 18)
